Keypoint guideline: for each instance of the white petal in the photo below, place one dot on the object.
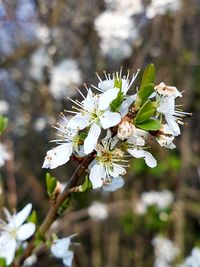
(67, 260)
(89, 101)
(140, 153)
(167, 105)
(126, 104)
(60, 247)
(110, 119)
(25, 231)
(21, 216)
(92, 138)
(106, 84)
(97, 174)
(58, 156)
(173, 125)
(150, 160)
(79, 121)
(7, 248)
(117, 170)
(106, 98)
(115, 184)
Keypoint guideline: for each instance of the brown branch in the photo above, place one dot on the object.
(52, 214)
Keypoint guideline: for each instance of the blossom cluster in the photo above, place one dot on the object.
(193, 260)
(114, 122)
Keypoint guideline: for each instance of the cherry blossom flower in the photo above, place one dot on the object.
(60, 250)
(67, 140)
(94, 112)
(106, 164)
(135, 146)
(165, 137)
(98, 211)
(14, 232)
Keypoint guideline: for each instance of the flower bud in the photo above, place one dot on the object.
(125, 130)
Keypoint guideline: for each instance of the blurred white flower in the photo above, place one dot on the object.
(43, 34)
(116, 31)
(162, 199)
(60, 249)
(14, 232)
(193, 260)
(161, 7)
(4, 155)
(4, 107)
(39, 60)
(98, 211)
(40, 124)
(65, 76)
(165, 251)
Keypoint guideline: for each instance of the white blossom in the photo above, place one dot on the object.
(4, 155)
(98, 211)
(106, 164)
(14, 232)
(162, 199)
(128, 7)
(60, 249)
(165, 251)
(64, 77)
(125, 130)
(94, 112)
(193, 260)
(31, 260)
(67, 140)
(135, 146)
(165, 137)
(113, 185)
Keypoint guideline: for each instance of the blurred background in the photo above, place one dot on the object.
(47, 49)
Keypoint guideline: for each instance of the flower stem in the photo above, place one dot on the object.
(52, 214)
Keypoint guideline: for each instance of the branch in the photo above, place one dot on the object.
(52, 214)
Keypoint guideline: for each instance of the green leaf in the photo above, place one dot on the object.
(146, 111)
(65, 205)
(87, 185)
(143, 94)
(116, 103)
(51, 184)
(2, 262)
(39, 238)
(33, 217)
(3, 124)
(149, 75)
(150, 125)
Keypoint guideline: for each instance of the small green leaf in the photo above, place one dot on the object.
(143, 94)
(39, 238)
(150, 125)
(3, 124)
(2, 262)
(87, 185)
(116, 103)
(33, 217)
(51, 184)
(149, 75)
(146, 111)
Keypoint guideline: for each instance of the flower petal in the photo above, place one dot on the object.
(67, 260)
(79, 121)
(106, 84)
(126, 104)
(25, 231)
(106, 98)
(150, 160)
(115, 184)
(97, 174)
(117, 170)
(60, 247)
(7, 248)
(140, 153)
(92, 138)
(58, 156)
(173, 125)
(89, 101)
(110, 119)
(21, 216)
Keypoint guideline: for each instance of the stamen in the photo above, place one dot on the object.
(105, 74)
(98, 76)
